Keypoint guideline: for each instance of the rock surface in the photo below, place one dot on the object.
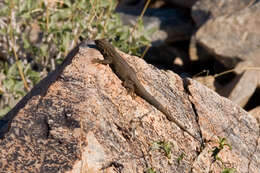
(220, 117)
(203, 10)
(81, 119)
(256, 113)
(239, 38)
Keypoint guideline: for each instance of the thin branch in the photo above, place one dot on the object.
(14, 51)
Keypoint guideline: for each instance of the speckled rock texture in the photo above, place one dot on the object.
(218, 116)
(81, 119)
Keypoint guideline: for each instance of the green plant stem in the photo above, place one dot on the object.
(20, 70)
(145, 51)
(47, 16)
(141, 16)
(14, 51)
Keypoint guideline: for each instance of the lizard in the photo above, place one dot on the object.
(128, 75)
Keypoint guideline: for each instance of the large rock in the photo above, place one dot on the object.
(235, 36)
(81, 119)
(203, 10)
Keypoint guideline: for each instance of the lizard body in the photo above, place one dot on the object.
(128, 75)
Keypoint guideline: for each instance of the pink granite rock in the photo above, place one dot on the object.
(81, 119)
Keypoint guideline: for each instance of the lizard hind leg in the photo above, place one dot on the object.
(129, 85)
